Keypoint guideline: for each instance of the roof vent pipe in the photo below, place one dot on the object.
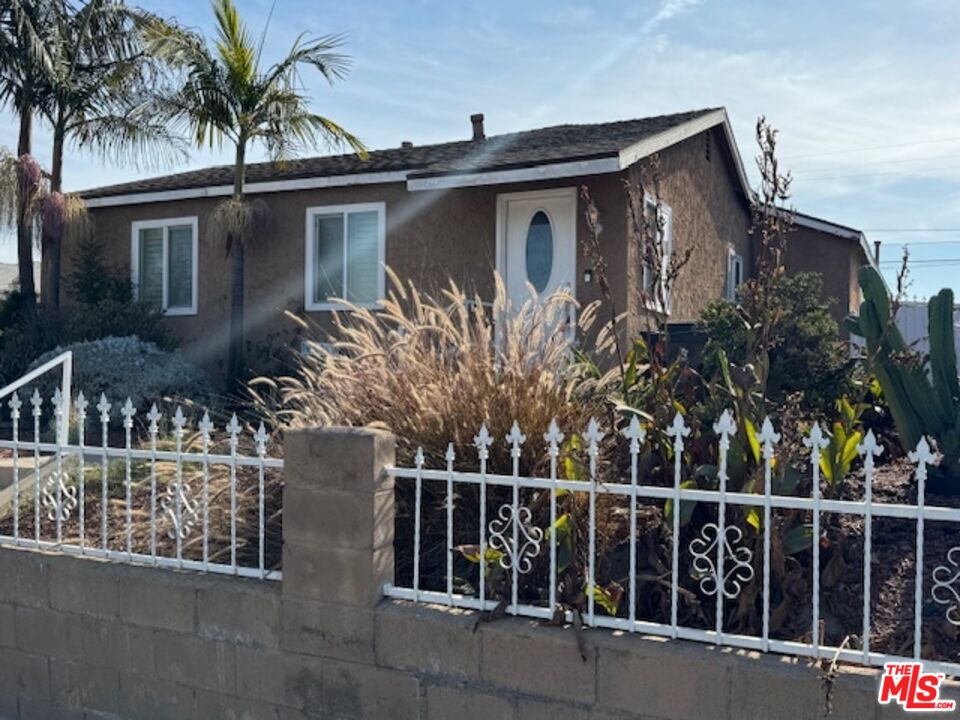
(406, 145)
(477, 122)
(876, 251)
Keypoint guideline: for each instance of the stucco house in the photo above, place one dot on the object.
(451, 210)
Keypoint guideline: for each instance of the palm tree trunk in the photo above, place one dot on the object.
(236, 365)
(24, 226)
(51, 238)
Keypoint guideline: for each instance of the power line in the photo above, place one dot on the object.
(919, 230)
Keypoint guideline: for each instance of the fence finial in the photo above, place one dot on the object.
(635, 433)
(516, 439)
(179, 422)
(816, 440)
(450, 455)
(36, 401)
(922, 457)
(768, 437)
(593, 436)
(233, 428)
(482, 441)
(104, 407)
(154, 417)
(81, 404)
(554, 437)
(678, 431)
(128, 411)
(15, 405)
(725, 427)
(206, 426)
(870, 448)
(260, 439)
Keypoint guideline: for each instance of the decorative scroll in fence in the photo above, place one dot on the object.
(721, 562)
(189, 498)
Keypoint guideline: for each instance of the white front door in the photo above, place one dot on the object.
(536, 242)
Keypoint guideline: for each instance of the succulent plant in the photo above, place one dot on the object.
(923, 393)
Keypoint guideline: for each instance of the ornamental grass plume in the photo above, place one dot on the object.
(433, 368)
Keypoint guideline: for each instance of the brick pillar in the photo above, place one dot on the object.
(338, 519)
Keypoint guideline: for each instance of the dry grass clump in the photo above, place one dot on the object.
(433, 369)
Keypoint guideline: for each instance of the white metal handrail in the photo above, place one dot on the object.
(722, 563)
(64, 359)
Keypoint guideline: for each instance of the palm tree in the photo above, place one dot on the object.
(24, 61)
(227, 94)
(92, 96)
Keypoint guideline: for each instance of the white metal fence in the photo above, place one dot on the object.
(167, 494)
(721, 564)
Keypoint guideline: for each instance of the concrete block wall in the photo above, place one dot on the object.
(81, 638)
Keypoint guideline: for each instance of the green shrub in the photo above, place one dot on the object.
(99, 304)
(807, 355)
(130, 368)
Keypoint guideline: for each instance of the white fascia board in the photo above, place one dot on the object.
(552, 171)
(656, 143)
(309, 183)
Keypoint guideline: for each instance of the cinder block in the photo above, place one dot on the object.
(522, 656)
(640, 673)
(8, 636)
(25, 574)
(338, 458)
(451, 701)
(158, 598)
(48, 632)
(86, 587)
(85, 686)
(280, 679)
(243, 612)
(213, 706)
(336, 575)
(428, 640)
(155, 697)
(368, 693)
(40, 709)
(762, 685)
(338, 519)
(530, 709)
(197, 663)
(23, 674)
(120, 646)
(344, 632)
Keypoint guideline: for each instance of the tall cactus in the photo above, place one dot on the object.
(921, 403)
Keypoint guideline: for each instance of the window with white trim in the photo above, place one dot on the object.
(345, 255)
(734, 274)
(661, 231)
(163, 265)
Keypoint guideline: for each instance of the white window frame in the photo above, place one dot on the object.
(165, 224)
(734, 260)
(667, 245)
(310, 246)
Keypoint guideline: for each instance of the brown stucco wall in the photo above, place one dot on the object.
(431, 237)
(436, 235)
(710, 214)
(837, 259)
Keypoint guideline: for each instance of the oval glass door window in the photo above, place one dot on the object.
(539, 251)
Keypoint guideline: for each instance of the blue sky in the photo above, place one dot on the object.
(865, 94)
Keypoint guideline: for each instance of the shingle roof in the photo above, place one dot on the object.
(561, 143)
